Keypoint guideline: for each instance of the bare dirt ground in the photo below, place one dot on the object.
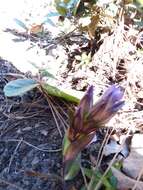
(29, 141)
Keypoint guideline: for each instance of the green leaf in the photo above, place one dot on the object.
(20, 23)
(52, 14)
(97, 175)
(84, 56)
(78, 57)
(72, 168)
(71, 112)
(113, 182)
(54, 91)
(109, 184)
(66, 144)
(139, 2)
(19, 87)
(57, 1)
(66, 1)
(45, 73)
(117, 165)
(88, 172)
(49, 21)
(75, 9)
(62, 10)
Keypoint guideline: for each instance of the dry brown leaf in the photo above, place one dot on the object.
(93, 25)
(36, 28)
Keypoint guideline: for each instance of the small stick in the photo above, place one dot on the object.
(12, 157)
(10, 184)
(40, 149)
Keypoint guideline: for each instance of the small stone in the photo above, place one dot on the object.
(27, 129)
(140, 94)
(35, 161)
(44, 132)
(133, 164)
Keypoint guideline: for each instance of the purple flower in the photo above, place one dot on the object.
(86, 102)
(88, 117)
(107, 106)
(83, 109)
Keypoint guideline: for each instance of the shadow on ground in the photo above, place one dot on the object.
(30, 144)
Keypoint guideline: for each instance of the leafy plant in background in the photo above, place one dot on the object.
(139, 4)
(84, 123)
(35, 28)
(74, 7)
(86, 13)
(85, 7)
(84, 59)
(89, 15)
(109, 181)
(65, 7)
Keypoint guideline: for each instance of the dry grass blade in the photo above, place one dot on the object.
(138, 179)
(42, 175)
(55, 112)
(84, 177)
(11, 184)
(54, 116)
(62, 120)
(31, 145)
(105, 141)
(111, 163)
(12, 157)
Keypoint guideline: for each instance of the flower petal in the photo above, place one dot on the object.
(115, 93)
(107, 106)
(117, 106)
(76, 125)
(87, 101)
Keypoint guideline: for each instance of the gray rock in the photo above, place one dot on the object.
(133, 164)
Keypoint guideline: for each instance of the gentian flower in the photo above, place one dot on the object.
(88, 117)
(108, 105)
(79, 116)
